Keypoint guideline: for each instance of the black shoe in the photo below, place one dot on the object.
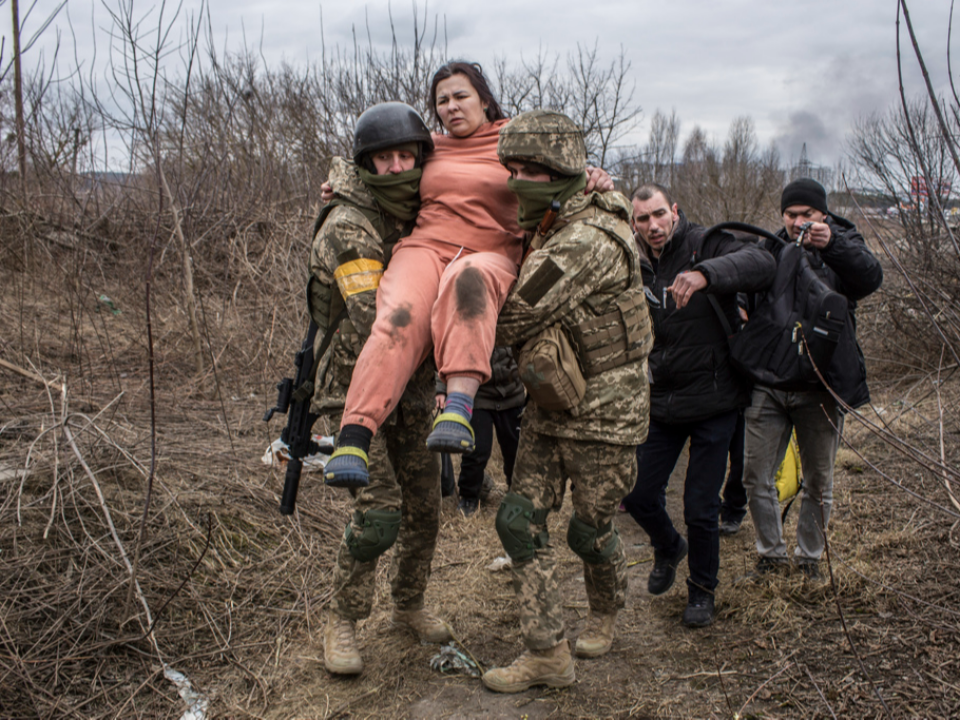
(730, 527)
(699, 611)
(731, 519)
(665, 569)
(486, 487)
(468, 506)
(810, 568)
(766, 566)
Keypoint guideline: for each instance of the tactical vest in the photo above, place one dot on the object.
(325, 302)
(618, 333)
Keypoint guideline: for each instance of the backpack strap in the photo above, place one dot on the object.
(715, 304)
(708, 234)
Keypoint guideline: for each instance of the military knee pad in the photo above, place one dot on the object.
(582, 539)
(514, 517)
(380, 530)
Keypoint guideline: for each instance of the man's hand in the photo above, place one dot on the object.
(441, 401)
(597, 179)
(326, 192)
(685, 285)
(818, 236)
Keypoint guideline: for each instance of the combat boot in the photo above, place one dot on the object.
(340, 653)
(597, 635)
(553, 667)
(428, 627)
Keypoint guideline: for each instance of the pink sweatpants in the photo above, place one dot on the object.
(428, 296)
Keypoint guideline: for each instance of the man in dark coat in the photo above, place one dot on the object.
(695, 394)
(497, 406)
(839, 256)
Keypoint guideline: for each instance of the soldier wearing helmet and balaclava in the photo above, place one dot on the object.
(376, 203)
(578, 309)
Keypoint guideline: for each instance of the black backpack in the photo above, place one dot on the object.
(794, 326)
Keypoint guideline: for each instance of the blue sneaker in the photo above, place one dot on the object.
(347, 468)
(451, 434)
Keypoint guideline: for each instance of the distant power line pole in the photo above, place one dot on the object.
(18, 100)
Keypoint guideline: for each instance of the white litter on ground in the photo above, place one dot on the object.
(12, 472)
(449, 659)
(278, 454)
(501, 563)
(197, 702)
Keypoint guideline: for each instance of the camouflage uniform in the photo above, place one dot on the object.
(592, 261)
(404, 474)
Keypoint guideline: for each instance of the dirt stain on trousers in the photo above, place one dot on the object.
(471, 294)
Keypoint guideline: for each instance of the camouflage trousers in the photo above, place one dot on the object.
(404, 475)
(600, 476)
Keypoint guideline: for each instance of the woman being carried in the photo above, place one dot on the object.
(445, 283)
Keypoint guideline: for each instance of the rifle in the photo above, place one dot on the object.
(293, 399)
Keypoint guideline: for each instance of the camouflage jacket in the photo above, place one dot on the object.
(346, 262)
(588, 268)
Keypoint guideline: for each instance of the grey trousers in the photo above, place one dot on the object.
(769, 421)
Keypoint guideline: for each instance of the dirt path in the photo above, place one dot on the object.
(638, 678)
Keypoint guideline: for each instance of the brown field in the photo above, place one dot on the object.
(237, 593)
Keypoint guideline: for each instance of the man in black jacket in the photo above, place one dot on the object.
(497, 406)
(694, 393)
(839, 256)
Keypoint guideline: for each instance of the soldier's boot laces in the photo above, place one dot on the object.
(340, 653)
(597, 635)
(553, 667)
(425, 624)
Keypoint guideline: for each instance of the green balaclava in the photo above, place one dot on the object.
(398, 195)
(535, 197)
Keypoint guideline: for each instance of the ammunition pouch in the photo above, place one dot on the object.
(514, 518)
(380, 530)
(582, 539)
(550, 371)
(616, 337)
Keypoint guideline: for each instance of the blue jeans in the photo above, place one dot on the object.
(656, 458)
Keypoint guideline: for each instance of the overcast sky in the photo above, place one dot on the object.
(804, 71)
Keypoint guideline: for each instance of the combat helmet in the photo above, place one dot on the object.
(545, 137)
(386, 125)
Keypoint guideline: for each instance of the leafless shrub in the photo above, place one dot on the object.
(737, 181)
(909, 156)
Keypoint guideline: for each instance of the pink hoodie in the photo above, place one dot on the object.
(465, 200)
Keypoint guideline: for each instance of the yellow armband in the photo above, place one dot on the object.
(357, 276)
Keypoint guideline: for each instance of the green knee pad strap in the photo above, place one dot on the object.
(380, 529)
(582, 539)
(514, 517)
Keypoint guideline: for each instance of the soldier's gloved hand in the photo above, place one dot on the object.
(685, 285)
(597, 179)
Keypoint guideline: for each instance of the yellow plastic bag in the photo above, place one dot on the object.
(789, 477)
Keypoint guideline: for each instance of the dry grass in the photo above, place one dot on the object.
(237, 592)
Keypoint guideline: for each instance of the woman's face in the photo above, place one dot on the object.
(459, 106)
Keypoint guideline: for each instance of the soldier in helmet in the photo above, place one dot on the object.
(376, 202)
(580, 285)
(446, 283)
